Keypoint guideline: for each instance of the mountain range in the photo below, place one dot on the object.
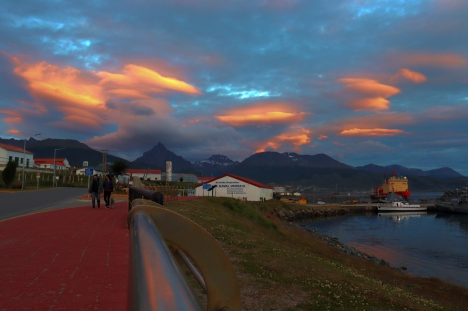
(269, 167)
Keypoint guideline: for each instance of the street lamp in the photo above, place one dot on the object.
(24, 160)
(55, 151)
(336, 193)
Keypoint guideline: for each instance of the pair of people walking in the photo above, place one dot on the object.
(96, 187)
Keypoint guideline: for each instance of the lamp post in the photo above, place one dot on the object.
(336, 193)
(24, 160)
(55, 151)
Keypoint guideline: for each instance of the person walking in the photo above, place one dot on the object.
(95, 188)
(108, 186)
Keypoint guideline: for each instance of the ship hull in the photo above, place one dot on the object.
(452, 208)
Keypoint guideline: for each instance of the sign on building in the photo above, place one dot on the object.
(89, 171)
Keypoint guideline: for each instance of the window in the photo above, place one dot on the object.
(27, 162)
(22, 160)
(16, 161)
(10, 158)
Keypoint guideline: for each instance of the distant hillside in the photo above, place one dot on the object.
(215, 165)
(281, 168)
(157, 157)
(287, 169)
(75, 152)
(443, 172)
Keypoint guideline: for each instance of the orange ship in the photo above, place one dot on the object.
(397, 185)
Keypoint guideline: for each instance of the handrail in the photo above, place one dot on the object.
(155, 281)
(135, 192)
(152, 284)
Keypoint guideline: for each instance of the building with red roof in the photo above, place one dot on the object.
(237, 187)
(60, 163)
(17, 154)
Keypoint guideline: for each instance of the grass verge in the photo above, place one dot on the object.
(284, 268)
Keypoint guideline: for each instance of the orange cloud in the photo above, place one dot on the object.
(262, 113)
(371, 132)
(378, 103)
(416, 77)
(375, 93)
(143, 81)
(61, 85)
(14, 132)
(82, 95)
(14, 116)
(298, 137)
(433, 60)
(369, 87)
(322, 137)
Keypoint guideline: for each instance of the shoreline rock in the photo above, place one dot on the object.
(294, 215)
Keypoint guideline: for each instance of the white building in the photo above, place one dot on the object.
(143, 173)
(237, 187)
(17, 154)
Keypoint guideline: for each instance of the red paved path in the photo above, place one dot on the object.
(69, 259)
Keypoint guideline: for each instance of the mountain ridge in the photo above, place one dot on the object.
(269, 167)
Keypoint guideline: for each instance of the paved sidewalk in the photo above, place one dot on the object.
(67, 259)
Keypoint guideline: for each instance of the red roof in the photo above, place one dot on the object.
(42, 161)
(204, 178)
(14, 148)
(142, 171)
(246, 180)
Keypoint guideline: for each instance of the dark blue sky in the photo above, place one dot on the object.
(383, 82)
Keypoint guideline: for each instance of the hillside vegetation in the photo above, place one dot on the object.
(282, 267)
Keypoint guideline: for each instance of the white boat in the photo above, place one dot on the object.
(400, 207)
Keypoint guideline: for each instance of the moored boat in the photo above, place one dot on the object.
(400, 207)
(459, 206)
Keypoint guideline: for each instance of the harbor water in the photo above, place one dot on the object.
(426, 244)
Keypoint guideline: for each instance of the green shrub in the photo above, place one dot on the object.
(8, 174)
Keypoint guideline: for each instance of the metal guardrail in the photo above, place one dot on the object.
(163, 244)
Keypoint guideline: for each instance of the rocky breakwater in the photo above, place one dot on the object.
(299, 214)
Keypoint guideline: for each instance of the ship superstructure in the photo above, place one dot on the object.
(395, 184)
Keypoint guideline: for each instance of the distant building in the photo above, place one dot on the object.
(144, 173)
(60, 163)
(17, 154)
(81, 171)
(202, 180)
(237, 187)
(279, 190)
(176, 177)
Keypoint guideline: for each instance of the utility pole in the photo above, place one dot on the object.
(104, 161)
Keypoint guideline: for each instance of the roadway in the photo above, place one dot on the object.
(13, 204)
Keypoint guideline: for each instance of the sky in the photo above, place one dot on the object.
(363, 81)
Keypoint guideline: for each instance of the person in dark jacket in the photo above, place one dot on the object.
(95, 188)
(108, 188)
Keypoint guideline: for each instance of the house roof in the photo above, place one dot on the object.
(142, 171)
(246, 180)
(42, 161)
(204, 178)
(14, 148)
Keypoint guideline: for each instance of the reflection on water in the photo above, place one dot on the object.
(430, 245)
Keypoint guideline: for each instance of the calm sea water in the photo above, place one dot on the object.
(428, 245)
